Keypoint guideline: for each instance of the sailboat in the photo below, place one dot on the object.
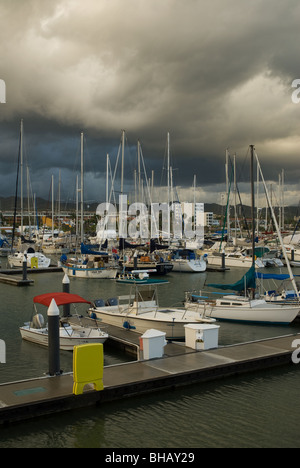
(237, 258)
(16, 258)
(282, 292)
(247, 307)
(5, 248)
(186, 260)
(92, 264)
(95, 265)
(242, 308)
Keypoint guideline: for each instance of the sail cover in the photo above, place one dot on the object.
(247, 282)
(60, 299)
(91, 250)
(273, 276)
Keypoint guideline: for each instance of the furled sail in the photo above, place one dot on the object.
(248, 281)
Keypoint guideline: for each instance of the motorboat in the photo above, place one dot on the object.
(70, 335)
(139, 277)
(139, 311)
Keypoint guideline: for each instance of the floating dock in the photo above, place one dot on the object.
(15, 280)
(15, 276)
(180, 366)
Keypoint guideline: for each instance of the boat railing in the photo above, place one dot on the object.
(203, 296)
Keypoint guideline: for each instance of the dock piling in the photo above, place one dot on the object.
(25, 267)
(53, 337)
(66, 289)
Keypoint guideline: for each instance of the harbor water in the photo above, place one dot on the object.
(257, 410)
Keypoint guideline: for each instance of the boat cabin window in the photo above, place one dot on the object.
(230, 303)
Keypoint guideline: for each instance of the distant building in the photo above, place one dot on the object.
(209, 220)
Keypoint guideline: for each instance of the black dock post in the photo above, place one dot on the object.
(53, 339)
(293, 255)
(223, 261)
(25, 267)
(66, 289)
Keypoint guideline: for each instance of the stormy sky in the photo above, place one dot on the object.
(215, 74)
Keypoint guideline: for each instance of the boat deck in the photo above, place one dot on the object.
(179, 366)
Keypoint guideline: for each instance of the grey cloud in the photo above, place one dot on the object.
(215, 74)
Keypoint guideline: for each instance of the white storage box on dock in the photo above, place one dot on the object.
(202, 336)
(154, 342)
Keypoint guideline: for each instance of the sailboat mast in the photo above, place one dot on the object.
(139, 170)
(82, 188)
(168, 175)
(59, 199)
(107, 169)
(28, 201)
(235, 199)
(252, 202)
(122, 169)
(22, 203)
(52, 184)
(278, 231)
(228, 195)
(77, 191)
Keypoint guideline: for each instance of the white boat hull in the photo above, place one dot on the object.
(267, 313)
(231, 261)
(189, 266)
(67, 343)
(293, 253)
(95, 273)
(169, 321)
(16, 260)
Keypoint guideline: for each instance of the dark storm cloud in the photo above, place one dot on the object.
(215, 74)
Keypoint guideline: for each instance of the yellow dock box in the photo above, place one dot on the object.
(34, 262)
(88, 363)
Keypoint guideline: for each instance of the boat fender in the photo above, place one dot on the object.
(127, 326)
(38, 321)
(93, 316)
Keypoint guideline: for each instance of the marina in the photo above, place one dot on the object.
(243, 350)
(149, 227)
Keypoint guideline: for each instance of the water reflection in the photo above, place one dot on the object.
(259, 410)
